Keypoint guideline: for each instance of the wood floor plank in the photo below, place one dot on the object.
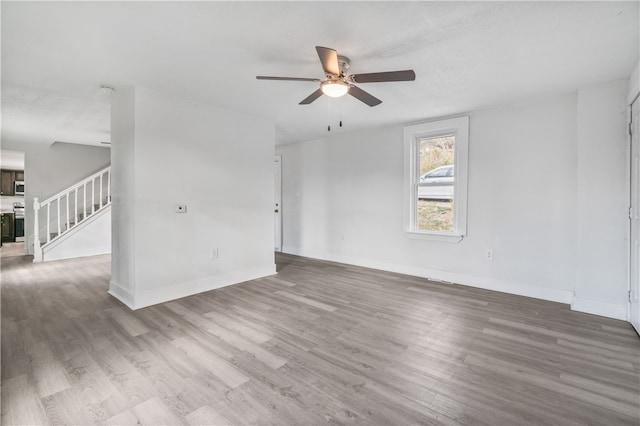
(306, 300)
(48, 372)
(535, 403)
(206, 415)
(126, 417)
(319, 343)
(237, 325)
(128, 321)
(20, 402)
(516, 371)
(155, 412)
(220, 368)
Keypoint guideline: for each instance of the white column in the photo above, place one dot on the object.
(37, 251)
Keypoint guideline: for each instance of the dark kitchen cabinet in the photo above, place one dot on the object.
(8, 229)
(8, 178)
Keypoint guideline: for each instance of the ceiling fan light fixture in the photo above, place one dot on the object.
(334, 88)
(338, 81)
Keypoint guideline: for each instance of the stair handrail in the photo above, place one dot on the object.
(76, 185)
(65, 193)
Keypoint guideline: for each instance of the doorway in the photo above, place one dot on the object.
(12, 203)
(277, 208)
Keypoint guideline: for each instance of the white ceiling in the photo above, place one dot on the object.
(466, 55)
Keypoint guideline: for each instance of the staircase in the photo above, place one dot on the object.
(73, 222)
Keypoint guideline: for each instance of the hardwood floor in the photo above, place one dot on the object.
(318, 343)
(12, 249)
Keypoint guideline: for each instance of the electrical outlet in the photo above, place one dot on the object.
(214, 253)
(488, 255)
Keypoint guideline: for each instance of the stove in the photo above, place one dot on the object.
(18, 211)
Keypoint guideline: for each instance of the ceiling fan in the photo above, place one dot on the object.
(338, 83)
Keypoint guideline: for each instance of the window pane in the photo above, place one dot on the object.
(435, 168)
(436, 184)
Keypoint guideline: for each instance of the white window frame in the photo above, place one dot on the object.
(459, 127)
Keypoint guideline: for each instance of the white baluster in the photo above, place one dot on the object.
(68, 223)
(48, 221)
(59, 229)
(37, 251)
(71, 220)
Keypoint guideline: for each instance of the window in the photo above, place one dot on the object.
(436, 179)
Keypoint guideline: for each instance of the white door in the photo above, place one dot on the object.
(277, 208)
(634, 264)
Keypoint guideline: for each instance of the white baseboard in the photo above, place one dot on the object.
(598, 307)
(302, 252)
(580, 304)
(553, 295)
(121, 293)
(147, 298)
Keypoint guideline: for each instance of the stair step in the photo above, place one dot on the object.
(96, 207)
(81, 217)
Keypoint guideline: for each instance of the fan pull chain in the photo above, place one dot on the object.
(329, 114)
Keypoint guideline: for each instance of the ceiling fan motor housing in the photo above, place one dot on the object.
(344, 63)
(338, 82)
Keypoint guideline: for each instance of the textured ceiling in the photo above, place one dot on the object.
(466, 55)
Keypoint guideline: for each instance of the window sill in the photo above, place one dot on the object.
(434, 236)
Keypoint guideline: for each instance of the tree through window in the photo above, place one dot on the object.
(436, 177)
(436, 189)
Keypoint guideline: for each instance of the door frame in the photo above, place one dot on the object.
(277, 203)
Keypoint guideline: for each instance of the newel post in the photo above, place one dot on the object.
(37, 251)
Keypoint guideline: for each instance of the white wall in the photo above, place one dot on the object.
(634, 84)
(219, 163)
(603, 200)
(93, 238)
(51, 168)
(343, 201)
(6, 201)
(12, 160)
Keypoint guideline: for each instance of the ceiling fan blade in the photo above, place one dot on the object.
(263, 77)
(312, 97)
(380, 77)
(329, 59)
(363, 96)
